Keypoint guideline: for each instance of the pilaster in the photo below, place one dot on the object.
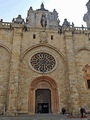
(14, 73)
(71, 67)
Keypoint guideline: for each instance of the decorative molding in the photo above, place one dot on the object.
(82, 48)
(4, 46)
(43, 45)
(49, 84)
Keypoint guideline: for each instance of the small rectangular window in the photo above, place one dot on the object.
(51, 37)
(34, 36)
(88, 83)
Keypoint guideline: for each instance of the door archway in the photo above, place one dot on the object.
(47, 83)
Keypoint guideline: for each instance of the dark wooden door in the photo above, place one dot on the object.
(43, 101)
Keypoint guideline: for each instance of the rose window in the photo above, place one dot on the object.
(42, 62)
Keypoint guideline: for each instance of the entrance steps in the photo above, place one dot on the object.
(41, 117)
(44, 117)
(35, 117)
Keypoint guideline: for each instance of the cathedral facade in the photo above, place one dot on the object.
(44, 66)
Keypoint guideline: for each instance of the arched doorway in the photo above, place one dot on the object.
(47, 86)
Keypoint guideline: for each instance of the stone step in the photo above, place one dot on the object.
(40, 117)
(35, 117)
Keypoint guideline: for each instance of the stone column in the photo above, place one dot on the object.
(72, 76)
(14, 73)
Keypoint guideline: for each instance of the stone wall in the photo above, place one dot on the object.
(28, 75)
(71, 52)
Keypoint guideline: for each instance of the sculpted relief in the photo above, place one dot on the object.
(43, 37)
(43, 21)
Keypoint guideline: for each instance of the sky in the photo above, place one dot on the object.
(72, 10)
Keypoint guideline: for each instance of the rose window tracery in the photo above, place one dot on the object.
(42, 62)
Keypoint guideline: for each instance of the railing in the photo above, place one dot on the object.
(5, 24)
(81, 28)
(75, 29)
(72, 28)
(9, 25)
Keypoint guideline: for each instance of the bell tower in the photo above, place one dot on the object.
(86, 17)
(42, 18)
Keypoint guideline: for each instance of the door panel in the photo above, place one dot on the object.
(43, 101)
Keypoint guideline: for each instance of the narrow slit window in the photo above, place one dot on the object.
(34, 36)
(51, 37)
(88, 84)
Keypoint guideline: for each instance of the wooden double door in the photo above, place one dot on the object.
(43, 101)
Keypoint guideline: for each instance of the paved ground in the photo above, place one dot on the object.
(42, 117)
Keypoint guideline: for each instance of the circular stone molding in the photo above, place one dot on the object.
(42, 62)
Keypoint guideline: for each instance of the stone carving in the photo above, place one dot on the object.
(66, 23)
(86, 70)
(42, 8)
(43, 21)
(18, 20)
(43, 37)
